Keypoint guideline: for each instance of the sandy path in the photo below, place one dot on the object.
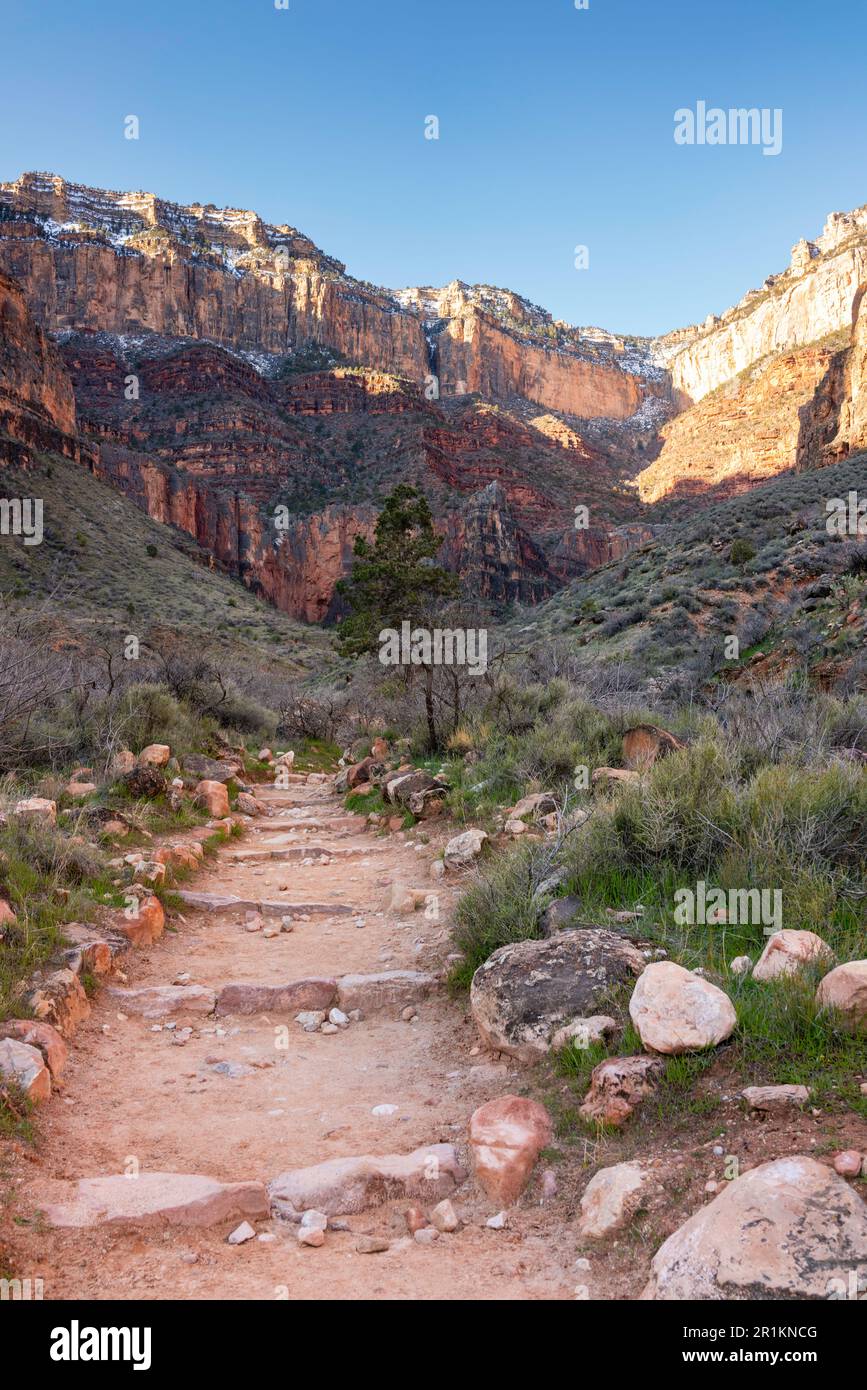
(132, 1092)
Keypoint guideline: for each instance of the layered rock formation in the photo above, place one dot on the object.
(126, 263)
(813, 298)
(37, 405)
(746, 431)
(276, 476)
(834, 422)
(238, 384)
(130, 262)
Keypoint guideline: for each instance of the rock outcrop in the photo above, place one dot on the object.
(814, 297)
(129, 263)
(523, 994)
(37, 405)
(789, 1229)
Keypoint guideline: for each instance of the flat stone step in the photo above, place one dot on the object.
(392, 989)
(346, 1186)
(163, 1001)
(302, 851)
(151, 1199)
(215, 903)
(278, 825)
(294, 997)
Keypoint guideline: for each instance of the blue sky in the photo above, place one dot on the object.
(556, 129)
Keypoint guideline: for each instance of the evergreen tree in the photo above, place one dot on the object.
(395, 580)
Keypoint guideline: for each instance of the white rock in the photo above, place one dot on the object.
(675, 1010)
(311, 1020)
(611, 1198)
(314, 1220)
(464, 848)
(789, 1229)
(444, 1218)
(241, 1234)
(787, 951)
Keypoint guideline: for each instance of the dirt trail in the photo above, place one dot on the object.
(132, 1092)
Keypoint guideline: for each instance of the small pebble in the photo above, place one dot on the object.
(426, 1235)
(311, 1235)
(241, 1234)
(371, 1245)
(848, 1163)
(415, 1220)
(496, 1223)
(384, 1110)
(444, 1218)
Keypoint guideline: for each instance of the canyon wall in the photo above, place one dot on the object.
(741, 434)
(834, 423)
(812, 299)
(131, 263)
(37, 405)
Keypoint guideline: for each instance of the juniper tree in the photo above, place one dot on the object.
(394, 580)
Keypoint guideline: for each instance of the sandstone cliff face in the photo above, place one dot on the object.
(128, 263)
(37, 405)
(812, 299)
(211, 446)
(834, 422)
(743, 433)
(475, 354)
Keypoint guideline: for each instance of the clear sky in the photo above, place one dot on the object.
(556, 129)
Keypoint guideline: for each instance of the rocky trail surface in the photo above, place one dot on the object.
(223, 1084)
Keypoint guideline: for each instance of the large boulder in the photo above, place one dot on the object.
(789, 1229)
(676, 1011)
(143, 921)
(36, 808)
(59, 999)
(645, 743)
(145, 782)
(506, 1137)
(43, 1037)
(845, 990)
(155, 755)
(358, 774)
(210, 769)
(607, 778)
(787, 951)
(526, 992)
(464, 849)
(400, 788)
(537, 804)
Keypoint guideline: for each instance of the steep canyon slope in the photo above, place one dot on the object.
(236, 382)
